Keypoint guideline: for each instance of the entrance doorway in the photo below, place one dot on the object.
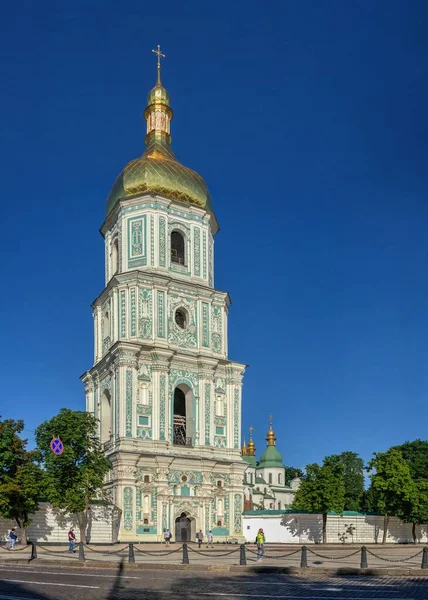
(184, 527)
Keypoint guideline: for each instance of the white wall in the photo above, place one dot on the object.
(307, 529)
(49, 526)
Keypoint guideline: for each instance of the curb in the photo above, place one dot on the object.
(234, 569)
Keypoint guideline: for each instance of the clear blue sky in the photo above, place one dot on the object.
(309, 123)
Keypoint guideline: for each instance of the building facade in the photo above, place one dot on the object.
(265, 482)
(167, 397)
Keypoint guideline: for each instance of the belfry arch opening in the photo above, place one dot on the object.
(105, 417)
(178, 254)
(183, 417)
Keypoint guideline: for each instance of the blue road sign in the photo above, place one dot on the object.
(57, 446)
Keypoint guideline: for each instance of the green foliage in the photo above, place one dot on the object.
(21, 479)
(75, 478)
(292, 472)
(416, 455)
(321, 491)
(393, 489)
(353, 477)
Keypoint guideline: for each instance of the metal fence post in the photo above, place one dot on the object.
(81, 551)
(185, 555)
(364, 564)
(424, 564)
(242, 556)
(131, 557)
(33, 550)
(304, 558)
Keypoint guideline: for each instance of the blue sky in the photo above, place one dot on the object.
(308, 121)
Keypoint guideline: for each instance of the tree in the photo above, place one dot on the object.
(353, 477)
(321, 491)
(74, 478)
(21, 479)
(416, 456)
(292, 472)
(394, 491)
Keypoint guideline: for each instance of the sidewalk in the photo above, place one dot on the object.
(223, 557)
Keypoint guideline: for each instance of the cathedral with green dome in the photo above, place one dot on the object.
(265, 483)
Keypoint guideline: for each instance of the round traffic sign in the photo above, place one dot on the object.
(57, 446)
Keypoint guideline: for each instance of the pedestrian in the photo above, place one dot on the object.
(260, 541)
(200, 537)
(210, 539)
(71, 540)
(12, 538)
(167, 537)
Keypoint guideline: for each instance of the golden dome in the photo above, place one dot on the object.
(157, 171)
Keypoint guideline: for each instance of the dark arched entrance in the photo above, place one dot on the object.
(183, 528)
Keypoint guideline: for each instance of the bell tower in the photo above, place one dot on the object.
(167, 398)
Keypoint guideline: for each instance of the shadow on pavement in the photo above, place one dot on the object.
(167, 584)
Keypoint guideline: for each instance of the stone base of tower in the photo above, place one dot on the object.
(176, 490)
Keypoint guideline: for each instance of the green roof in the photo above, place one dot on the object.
(271, 458)
(260, 480)
(251, 460)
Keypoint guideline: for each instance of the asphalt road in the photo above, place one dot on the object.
(56, 583)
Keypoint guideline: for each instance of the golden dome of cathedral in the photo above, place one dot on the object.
(157, 171)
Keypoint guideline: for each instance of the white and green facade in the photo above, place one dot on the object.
(167, 398)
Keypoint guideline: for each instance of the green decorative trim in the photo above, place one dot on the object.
(236, 418)
(122, 314)
(145, 313)
(155, 506)
(237, 508)
(204, 254)
(116, 402)
(166, 210)
(133, 313)
(152, 240)
(217, 329)
(162, 406)
(161, 314)
(137, 241)
(162, 242)
(205, 325)
(207, 414)
(128, 403)
(197, 251)
(128, 509)
(210, 262)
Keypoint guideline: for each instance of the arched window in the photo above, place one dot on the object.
(146, 478)
(218, 523)
(279, 505)
(219, 483)
(270, 478)
(279, 478)
(177, 248)
(183, 412)
(146, 504)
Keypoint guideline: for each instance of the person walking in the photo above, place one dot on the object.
(12, 538)
(71, 539)
(260, 541)
(200, 537)
(167, 537)
(210, 539)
